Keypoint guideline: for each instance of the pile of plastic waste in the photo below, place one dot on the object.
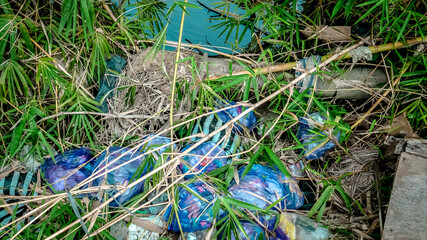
(193, 209)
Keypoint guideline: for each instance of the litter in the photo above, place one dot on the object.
(159, 202)
(16, 183)
(248, 121)
(199, 235)
(135, 168)
(57, 169)
(139, 233)
(208, 124)
(252, 230)
(215, 158)
(156, 142)
(108, 81)
(263, 185)
(294, 226)
(311, 140)
(194, 212)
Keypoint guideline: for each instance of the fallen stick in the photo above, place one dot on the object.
(291, 65)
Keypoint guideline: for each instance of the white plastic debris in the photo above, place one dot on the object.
(361, 53)
(139, 233)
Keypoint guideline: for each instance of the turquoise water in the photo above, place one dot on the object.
(198, 28)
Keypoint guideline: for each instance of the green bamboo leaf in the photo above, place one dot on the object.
(46, 144)
(230, 82)
(403, 28)
(86, 8)
(235, 219)
(326, 195)
(337, 7)
(77, 212)
(277, 162)
(16, 138)
(66, 12)
(26, 36)
(378, 3)
(347, 199)
(321, 212)
(252, 160)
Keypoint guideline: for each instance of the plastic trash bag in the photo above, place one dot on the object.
(134, 169)
(231, 143)
(65, 164)
(298, 227)
(252, 230)
(194, 213)
(16, 183)
(156, 142)
(248, 121)
(312, 140)
(263, 185)
(108, 81)
(215, 159)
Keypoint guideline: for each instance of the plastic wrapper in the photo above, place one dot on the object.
(263, 185)
(298, 227)
(134, 169)
(312, 140)
(231, 142)
(215, 159)
(248, 121)
(56, 170)
(194, 213)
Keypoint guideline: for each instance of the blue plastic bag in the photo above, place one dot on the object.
(215, 159)
(248, 121)
(156, 142)
(252, 230)
(312, 140)
(263, 185)
(231, 143)
(122, 175)
(194, 213)
(63, 165)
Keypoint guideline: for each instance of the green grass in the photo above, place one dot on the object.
(38, 37)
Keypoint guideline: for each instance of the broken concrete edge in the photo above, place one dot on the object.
(407, 210)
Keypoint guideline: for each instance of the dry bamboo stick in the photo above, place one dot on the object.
(291, 65)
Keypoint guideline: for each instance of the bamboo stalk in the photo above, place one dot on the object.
(291, 65)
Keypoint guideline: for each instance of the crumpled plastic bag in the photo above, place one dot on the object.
(252, 230)
(108, 81)
(312, 140)
(248, 121)
(194, 213)
(134, 169)
(294, 226)
(215, 159)
(63, 165)
(263, 185)
(156, 142)
(231, 143)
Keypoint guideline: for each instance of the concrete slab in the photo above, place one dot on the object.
(407, 211)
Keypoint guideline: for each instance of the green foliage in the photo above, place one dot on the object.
(53, 54)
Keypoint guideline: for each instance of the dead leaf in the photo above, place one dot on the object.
(329, 34)
(400, 127)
